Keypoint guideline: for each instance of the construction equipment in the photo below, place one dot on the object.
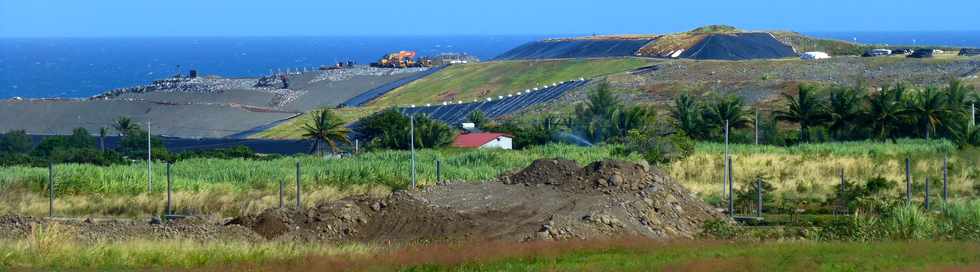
(401, 59)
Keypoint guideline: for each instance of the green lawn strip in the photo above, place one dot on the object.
(774, 256)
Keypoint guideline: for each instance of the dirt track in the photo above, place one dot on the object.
(550, 200)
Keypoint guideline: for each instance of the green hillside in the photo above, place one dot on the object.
(472, 81)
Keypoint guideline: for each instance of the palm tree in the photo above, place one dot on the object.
(886, 112)
(806, 109)
(930, 110)
(631, 118)
(478, 119)
(727, 108)
(124, 126)
(595, 116)
(328, 128)
(846, 107)
(687, 114)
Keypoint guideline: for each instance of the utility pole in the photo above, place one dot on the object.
(725, 177)
(757, 127)
(412, 138)
(149, 160)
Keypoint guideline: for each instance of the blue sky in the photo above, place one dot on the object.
(99, 18)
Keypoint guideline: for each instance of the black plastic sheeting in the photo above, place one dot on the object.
(282, 147)
(371, 94)
(574, 49)
(457, 113)
(740, 46)
(969, 52)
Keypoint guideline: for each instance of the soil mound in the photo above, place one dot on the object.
(550, 199)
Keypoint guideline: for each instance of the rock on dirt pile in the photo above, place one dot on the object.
(551, 199)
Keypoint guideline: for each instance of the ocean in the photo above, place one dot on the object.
(82, 67)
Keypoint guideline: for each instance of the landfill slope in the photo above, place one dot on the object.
(739, 46)
(563, 49)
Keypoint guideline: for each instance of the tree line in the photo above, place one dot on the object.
(839, 113)
(18, 148)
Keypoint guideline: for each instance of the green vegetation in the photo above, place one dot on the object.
(293, 128)
(390, 129)
(52, 247)
(480, 80)
(381, 167)
(606, 255)
(848, 113)
(806, 176)
(327, 128)
(719, 256)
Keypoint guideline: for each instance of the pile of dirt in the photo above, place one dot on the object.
(551, 199)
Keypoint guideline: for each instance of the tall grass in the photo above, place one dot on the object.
(810, 171)
(386, 168)
(51, 247)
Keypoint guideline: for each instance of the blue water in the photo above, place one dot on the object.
(911, 38)
(82, 67)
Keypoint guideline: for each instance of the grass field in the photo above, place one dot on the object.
(811, 170)
(480, 80)
(611, 255)
(241, 186)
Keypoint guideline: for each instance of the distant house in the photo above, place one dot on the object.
(484, 140)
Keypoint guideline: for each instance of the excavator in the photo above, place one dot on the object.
(401, 59)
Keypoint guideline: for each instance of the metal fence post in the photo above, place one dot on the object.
(282, 183)
(299, 202)
(170, 189)
(908, 181)
(50, 189)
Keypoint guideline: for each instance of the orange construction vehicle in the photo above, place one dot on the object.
(401, 59)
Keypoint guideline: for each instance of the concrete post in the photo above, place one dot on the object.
(438, 171)
(945, 178)
(843, 192)
(758, 196)
(731, 191)
(149, 160)
(170, 189)
(927, 193)
(908, 181)
(757, 126)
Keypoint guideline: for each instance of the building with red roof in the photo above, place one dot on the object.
(484, 140)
